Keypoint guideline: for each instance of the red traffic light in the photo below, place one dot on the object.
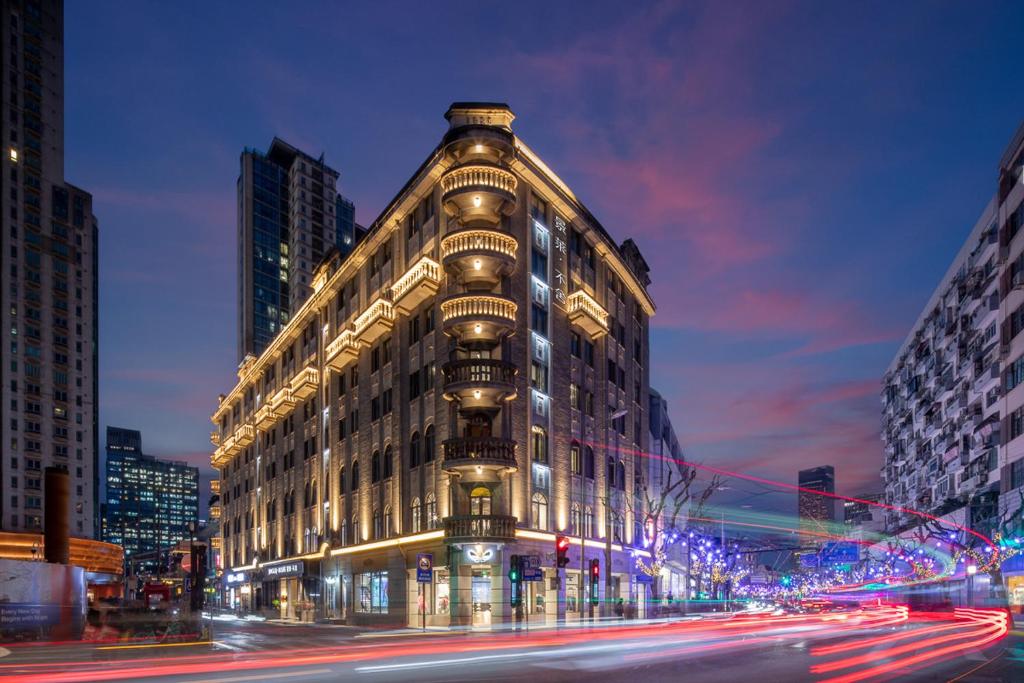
(595, 568)
(562, 543)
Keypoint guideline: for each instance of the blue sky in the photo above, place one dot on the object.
(799, 176)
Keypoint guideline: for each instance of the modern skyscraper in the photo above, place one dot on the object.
(952, 402)
(150, 502)
(474, 378)
(816, 509)
(48, 297)
(289, 217)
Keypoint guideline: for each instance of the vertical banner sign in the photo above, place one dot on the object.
(559, 253)
(424, 566)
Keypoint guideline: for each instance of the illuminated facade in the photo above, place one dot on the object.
(953, 396)
(150, 502)
(48, 296)
(290, 216)
(473, 378)
(816, 511)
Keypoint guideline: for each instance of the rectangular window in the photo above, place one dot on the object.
(575, 463)
(539, 377)
(372, 591)
(1016, 423)
(538, 319)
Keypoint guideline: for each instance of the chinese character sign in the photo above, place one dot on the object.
(559, 254)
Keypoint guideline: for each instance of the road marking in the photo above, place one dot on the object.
(226, 646)
(4, 652)
(968, 673)
(136, 647)
(264, 677)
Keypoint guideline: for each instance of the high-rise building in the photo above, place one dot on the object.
(862, 510)
(150, 502)
(952, 406)
(289, 217)
(471, 380)
(815, 509)
(48, 296)
(665, 449)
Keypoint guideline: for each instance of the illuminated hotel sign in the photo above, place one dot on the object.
(560, 254)
(281, 571)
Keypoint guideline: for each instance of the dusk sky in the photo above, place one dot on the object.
(798, 175)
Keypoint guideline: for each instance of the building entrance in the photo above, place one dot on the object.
(481, 587)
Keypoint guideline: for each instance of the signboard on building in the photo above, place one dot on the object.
(424, 567)
(283, 571)
(560, 252)
(840, 552)
(234, 578)
(531, 568)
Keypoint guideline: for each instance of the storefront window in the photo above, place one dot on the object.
(372, 589)
(441, 595)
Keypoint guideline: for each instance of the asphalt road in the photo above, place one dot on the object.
(841, 648)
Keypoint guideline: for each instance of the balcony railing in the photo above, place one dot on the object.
(245, 435)
(374, 321)
(343, 350)
(480, 452)
(478, 305)
(479, 528)
(215, 438)
(419, 282)
(475, 241)
(477, 371)
(282, 402)
(265, 416)
(304, 384)
(587, 313)
(478, 176)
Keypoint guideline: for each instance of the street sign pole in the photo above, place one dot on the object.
(424, 574)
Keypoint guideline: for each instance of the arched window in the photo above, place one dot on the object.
(414, 451)
(575, 514)
(375, 467)
(480, 501)
(539, 444)
(356, 537)
(431, 511)
(588, 522)
(540, 511)
(378, 522)
(388, 465)
(355, 476)
(341, 481)
(417, 515)
(345, 540)
(387, 520)
(428, 445)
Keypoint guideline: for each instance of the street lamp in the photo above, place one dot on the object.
(971, 571)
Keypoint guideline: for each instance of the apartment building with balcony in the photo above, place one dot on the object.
(470, 381)
(952, 413)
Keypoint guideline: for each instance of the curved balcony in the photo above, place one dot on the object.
(479, 257)
(475, 454)
(479, 528)
(479, 192)
(479, 382)
(478, 317)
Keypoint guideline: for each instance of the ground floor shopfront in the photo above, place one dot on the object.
(424, 581)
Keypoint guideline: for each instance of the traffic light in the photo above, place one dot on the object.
(562, 550)
(515, 577)
(595, 575)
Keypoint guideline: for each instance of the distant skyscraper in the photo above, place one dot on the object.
(289, 217)
(150, 502)
(48, 301)
(816, 509)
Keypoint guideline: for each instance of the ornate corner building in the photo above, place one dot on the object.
(470, 380)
